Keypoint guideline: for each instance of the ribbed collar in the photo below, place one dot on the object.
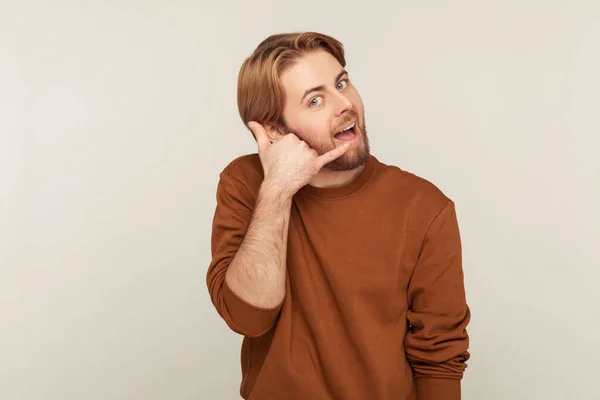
(345, 190)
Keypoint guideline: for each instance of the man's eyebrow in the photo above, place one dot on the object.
(322, 87)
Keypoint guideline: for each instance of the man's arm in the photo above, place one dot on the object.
(436, 343)
(246, 278)
(257, 272)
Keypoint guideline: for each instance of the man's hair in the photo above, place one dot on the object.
(260, 94)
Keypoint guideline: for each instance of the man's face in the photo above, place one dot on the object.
(320, 101)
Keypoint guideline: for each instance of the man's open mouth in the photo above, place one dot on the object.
(347, 134)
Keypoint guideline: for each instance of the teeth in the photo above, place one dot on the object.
(349, 127)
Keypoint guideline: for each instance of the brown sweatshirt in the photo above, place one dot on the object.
(375, 304)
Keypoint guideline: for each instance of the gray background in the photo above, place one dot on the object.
(117, 116)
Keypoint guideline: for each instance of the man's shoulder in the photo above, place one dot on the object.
(247, 169)
(417, 189)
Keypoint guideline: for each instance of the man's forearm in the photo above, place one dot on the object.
(257, 272)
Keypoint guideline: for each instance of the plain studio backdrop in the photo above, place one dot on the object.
(116, 118)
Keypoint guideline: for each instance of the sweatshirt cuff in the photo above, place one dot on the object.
(246, 318)
(438, 389)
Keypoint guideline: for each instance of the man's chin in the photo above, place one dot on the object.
(348, 162)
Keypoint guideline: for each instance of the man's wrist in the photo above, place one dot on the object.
(275, 192)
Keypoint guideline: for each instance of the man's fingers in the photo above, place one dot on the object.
(260, 134)
(333, 154)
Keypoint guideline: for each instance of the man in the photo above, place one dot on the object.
(342, 273)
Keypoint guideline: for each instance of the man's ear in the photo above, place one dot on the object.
(274, 131)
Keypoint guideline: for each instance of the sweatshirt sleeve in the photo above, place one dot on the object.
(437, 341)
(230, 223)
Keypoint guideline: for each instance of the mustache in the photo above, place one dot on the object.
(352, 116)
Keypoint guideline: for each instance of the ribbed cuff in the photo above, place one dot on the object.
(246, 318)
(438, 389)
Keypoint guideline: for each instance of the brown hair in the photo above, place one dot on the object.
(260, 95)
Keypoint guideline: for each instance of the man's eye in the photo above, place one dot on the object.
(315, 102)
(342, 84)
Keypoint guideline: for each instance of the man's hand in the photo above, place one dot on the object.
(289, 163)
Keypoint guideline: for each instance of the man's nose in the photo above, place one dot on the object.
(343, 104)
